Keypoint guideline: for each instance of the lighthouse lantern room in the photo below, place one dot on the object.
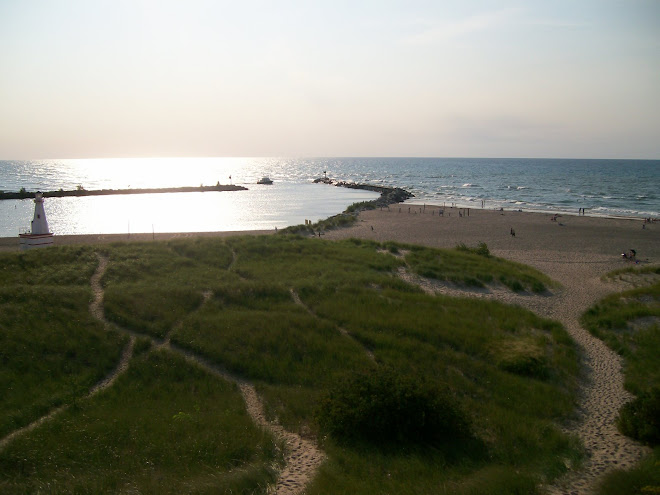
(39, 235)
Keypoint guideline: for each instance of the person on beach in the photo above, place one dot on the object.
(630, 255)
(513, 232)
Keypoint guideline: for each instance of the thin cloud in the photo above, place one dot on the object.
(450, 30)
(559, 23)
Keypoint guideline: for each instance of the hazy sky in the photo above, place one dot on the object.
(96, 78)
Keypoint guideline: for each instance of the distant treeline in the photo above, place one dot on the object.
(23, 194)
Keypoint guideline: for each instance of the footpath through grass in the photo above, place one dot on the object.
(629, 322)
(165, 427)
(51, 349)
(507, 377)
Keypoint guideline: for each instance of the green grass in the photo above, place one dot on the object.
(475, 267)
(51, 349)
(629, 322)
(635, 271)
(512, 374)
(165, 427)
(260, 333)
(57, 267)
(333, 222)
(148, 307)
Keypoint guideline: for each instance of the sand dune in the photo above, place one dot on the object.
(574, 250)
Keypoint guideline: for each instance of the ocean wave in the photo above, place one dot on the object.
(467, 184)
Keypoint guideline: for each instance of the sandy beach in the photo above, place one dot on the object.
(570, 238)
(573, 250)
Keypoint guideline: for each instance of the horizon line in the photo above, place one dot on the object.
(328, 157)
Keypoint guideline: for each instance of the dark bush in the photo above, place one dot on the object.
(530, 366)
(385, 407)
(640, 418)
(538, 287)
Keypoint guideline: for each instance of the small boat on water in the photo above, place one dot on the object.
(264, 180)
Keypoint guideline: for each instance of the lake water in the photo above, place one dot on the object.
(628, 188)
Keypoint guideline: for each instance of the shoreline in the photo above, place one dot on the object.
(549, 211)
(535, 231)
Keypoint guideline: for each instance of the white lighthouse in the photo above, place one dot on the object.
(39, 235)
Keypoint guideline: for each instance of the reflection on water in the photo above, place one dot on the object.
(259, 208)
(603, 187)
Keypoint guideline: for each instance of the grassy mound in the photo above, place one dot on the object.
(164, 427)
(475, 267)
(301, 319)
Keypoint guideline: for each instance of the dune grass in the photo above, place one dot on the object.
(633, 274)
(475, 267)
(296, 317)
(165, 427)
(259, 332)
(51, 349)
(629, 322)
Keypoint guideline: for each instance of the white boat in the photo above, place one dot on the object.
(264, 180)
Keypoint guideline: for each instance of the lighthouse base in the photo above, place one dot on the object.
(32, 241)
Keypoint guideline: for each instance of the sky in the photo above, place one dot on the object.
(469, 78)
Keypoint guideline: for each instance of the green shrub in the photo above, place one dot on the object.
(640, 418)
(384, 407)
(362, 205)
(481, 249)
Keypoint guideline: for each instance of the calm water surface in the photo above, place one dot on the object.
(604, 187)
